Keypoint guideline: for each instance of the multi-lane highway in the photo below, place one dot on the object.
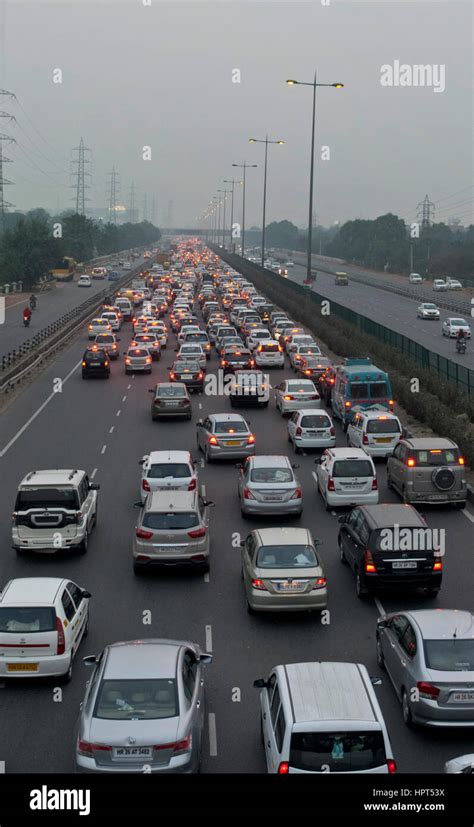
(105, 427)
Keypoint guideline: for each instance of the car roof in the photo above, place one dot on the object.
(154, 658)
(378, 414)
(227, 417)
(52, 476)
(284, 536)
(386, 515)
(169, 456)
(160, 385)
(31, 590)
(171, 501)
(427, 443)
(437, 624)
(348, 453)
(269, 461)
(328, 692)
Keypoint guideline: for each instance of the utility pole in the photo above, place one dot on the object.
(145, 207)
(131, 201)
(427, 208)
(153, 209)
(114, 187)
(4, 205)
(80, 185)
(170, 214)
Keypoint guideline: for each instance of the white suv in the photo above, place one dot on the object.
(54, 510)
(42, 622)
(168, 471)
(376, 433)
(269, 354)
(346, 476)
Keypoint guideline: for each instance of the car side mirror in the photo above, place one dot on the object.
(151, 390)
(94, 486)
(242, 544)
(342, 519)
(239, 465)
(138, 504)
(294, 465)
(318, 460)
(208, 503)
(85, 593)
(382, 624)
(205, 657)
(376, 681)
(317, 541)
(260, 683)
(199, 423)
(89, 660)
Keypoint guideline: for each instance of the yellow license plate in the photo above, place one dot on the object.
(22, 667)
(233, 442)
(384, 439)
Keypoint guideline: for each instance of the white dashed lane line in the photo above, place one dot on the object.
(128, 387)
(118, 412)
(124, 398)
(212, 734)
(111, 429)
(104, 448)
(209, 639)
(93, 474)
(380, 608)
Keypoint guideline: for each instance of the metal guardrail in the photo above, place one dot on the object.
(449, 371)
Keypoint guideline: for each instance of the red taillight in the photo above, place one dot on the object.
(287, 397)
(319, 583)
(84, 364)
(200, 375)
(247, 494)
(198, 532)
(142, 534)
(374, 484)
(250, 439)
(365, 440)
(391, 765)
(86, 748)
(192, 484)
(427, 690)
(438, 565)
(147, 360)
(61, 645)
(298, 431)
(347, 404)
(410, 462)
(213, 440)
(461, 460)
(297, 495)
(259, 584)
(369, 564)
(391, 403)
(283, 768)
(127, 361)
(145, 485)
(331, 486)
(223, 363)
(106, 364)
(259, 348)
(280, 349)
(171, 375)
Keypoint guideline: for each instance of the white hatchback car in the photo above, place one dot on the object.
(376, 433)
(269, 354)
(97, 326)
(168, 471)
(311, 428)
(294, 394)
(451, 327)
(42, 622)
(193, 353)
(346, 477)
(84, 281)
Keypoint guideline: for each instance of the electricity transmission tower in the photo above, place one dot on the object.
(80, 186)
(112, 195)
(131, 204)
(427, 209)
(4, 205)
(145, 207)
(153, 210)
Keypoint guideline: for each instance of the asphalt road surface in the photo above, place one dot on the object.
(105, 427)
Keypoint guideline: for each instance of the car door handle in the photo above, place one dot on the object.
(268, 744)
(264, 716)
(392, 644)
(198, 704)
(403, 662)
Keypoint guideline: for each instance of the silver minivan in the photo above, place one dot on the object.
(323, 717)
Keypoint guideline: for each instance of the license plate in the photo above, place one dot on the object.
(405, 564)
(437, 497)
(133, 752)
(22, 667)
(233, 442)
(172, 404)
(167, 549)
(272, 498)
(384, 439)
(290, 587)
(95, 364)
(462, 697)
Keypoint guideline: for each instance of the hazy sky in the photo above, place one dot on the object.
(161, 75)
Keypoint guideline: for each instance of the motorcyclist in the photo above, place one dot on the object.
(461, 340)
(32, 301)
(26, 314)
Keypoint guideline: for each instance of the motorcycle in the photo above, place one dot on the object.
(33, 303)
(26, 320)
(461, 346)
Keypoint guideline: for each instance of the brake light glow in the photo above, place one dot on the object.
(127, 361)
(250, 439)
(61, 644)
(411, 462)
(461, 460)
(287, 397)
(84, 364)
(297, 495)
(259, 584)
(283, 768)
(438, 565)
(319, 583)
(347, 404)
(427, 690)
(391, 765)
(213, 440)
(142, 534)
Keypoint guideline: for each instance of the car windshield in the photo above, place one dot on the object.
(436, 457)
(125, 700)
(21, 619)
(450, 655)
(378, 390)
(167, 391)
(337, 751)
(285, 557)
(271, 475)
(233, 427)
(461, 322)
(315, 421)
(47, 498)
(162, 470)
(352, 468)
(381, 425)
(359, 390)
(171, 521)
(429, 307)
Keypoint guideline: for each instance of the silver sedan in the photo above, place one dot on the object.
(268, 485)
(223, 436)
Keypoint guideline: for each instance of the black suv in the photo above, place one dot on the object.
(389, 546)
(95, 362)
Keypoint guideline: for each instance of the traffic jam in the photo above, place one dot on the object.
(204, 346)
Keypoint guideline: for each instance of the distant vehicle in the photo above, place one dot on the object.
(451, 328)
(113, 275)
(464, 765)
(84, 281)
(454, 284)
(126, 265)
(415, 278)
(360, 385)
(427, 310)
(439, 284)
(64, 269)
(341, 278)
(289, 263)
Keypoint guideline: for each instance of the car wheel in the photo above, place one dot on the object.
(406, 711)
(67, 675)
(95, 515)
(296, 449)
(249, 609)
(85, 544)
(378, 649)
(189, 416)
(342, 556)
(207, 455)
(20, 552)
(361, 590)
(460, 505)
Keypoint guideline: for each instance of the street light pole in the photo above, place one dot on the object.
(314, 84)
(226, 181)
(266, 142)
(242, 243)
(225, 193)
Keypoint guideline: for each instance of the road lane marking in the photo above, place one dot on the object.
(111, 429)
(124, 398)
(104, 448)
(208, 638)
(93, 474)
(379, 606)
(128, 387)
(2, 766)
(212, 734)
(200, 406)
(36, 413)
(468, 514)
(118, 412)
(203, 491)
(206, 577)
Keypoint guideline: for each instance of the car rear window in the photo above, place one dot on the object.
(436, 456)
(27, 619)
(283, 557)
(46, 498)
(337, 751)
(138, 352)
(269, 348)
(301, 386)
(170, 391)
(450, 655)
(352, 468)
(124, 700)
(105, 339)
(383, 426)
(315, 421)
(161, 470)
(230, 427)
(94, 355)
(271, 475)
(171, 521)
